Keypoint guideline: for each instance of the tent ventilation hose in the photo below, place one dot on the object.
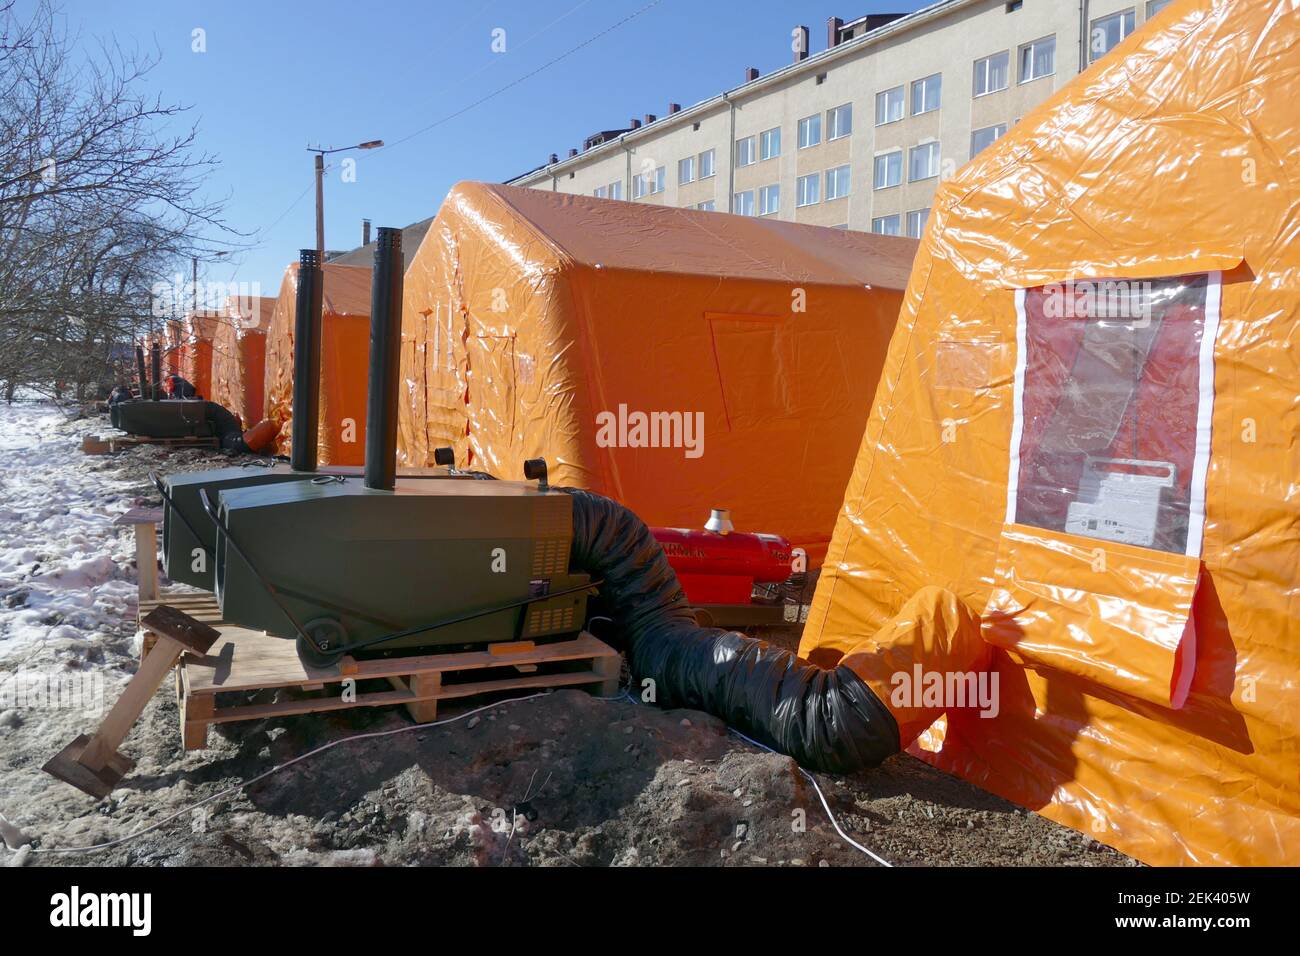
(826, 719)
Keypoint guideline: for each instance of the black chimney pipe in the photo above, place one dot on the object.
(155, 363)
(306, 362)
(385, 359)
(139, 369)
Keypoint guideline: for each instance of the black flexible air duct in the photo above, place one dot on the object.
(825, 719)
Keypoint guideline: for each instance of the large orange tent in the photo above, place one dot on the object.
(1102, 474)
(345, 343)
(239, 356)
(199, 332)
(672, 359)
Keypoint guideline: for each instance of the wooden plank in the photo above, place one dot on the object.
(257, 660)
(284, 708)
(423, 686)
(168, 621)
(146, 560)
(140, 515)
(196, 715)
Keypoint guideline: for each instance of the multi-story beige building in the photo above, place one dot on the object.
(859, 135)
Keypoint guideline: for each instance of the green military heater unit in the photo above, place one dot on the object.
(368, 563)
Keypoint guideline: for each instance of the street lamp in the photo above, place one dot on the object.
(320, 188)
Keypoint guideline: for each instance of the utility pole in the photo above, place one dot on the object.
(320, 207)
(319, 169)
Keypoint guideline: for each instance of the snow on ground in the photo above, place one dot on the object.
(65, 579)
(559, 779)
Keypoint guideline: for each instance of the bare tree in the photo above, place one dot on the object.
(98, 197)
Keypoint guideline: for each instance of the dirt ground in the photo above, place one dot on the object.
(561, 779)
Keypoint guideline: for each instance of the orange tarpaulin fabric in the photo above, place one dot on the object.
(345, 344)
(173, 349)
(674, 360)
(196, 356)
(1086, 430)
(239, 356)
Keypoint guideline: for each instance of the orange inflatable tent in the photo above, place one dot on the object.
(239, 356)
(1086, 432)
(173, 347)
(674, 360)
(199, 331)
(345, 345)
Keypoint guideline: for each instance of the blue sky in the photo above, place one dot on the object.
(277, 75)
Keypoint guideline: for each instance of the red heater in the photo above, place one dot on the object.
(718, 568)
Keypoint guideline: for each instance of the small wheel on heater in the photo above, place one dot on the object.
(330, 637)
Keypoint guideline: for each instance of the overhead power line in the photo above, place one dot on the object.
(529, 75)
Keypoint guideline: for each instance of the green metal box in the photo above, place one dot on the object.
(363, 563)
(189, 538)
(172, 418)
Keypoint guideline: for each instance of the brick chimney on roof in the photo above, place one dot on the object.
(833, 26)
(751, 74)
(799, 43)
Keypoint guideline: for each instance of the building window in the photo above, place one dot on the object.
(1107, 32)
(923, 162)
(809, 189)
(616, 190)
(925, 94)
(984, 137)
(706, 164)
(810, 130)
(769, 200)
(707, 206)
(769, 143)
(745, 151)
(1155, 6)
(686, 170)
(1014, 5)
(991, 73)
(600, 192)
(889, 169)
(885, 225)
(839, 121)
(659, 182)
(1038, 59)
(889, 106)
(837, 183)
(640, 185)
(916, 220)
(742, 204)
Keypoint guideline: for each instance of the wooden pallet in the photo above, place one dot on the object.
(109, 444)
(213, 689)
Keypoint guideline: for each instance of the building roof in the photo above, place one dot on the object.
(412, 236)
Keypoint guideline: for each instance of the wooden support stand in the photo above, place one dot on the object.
(215, 688)
(92, 764)
(108, 444)
(144, 522)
